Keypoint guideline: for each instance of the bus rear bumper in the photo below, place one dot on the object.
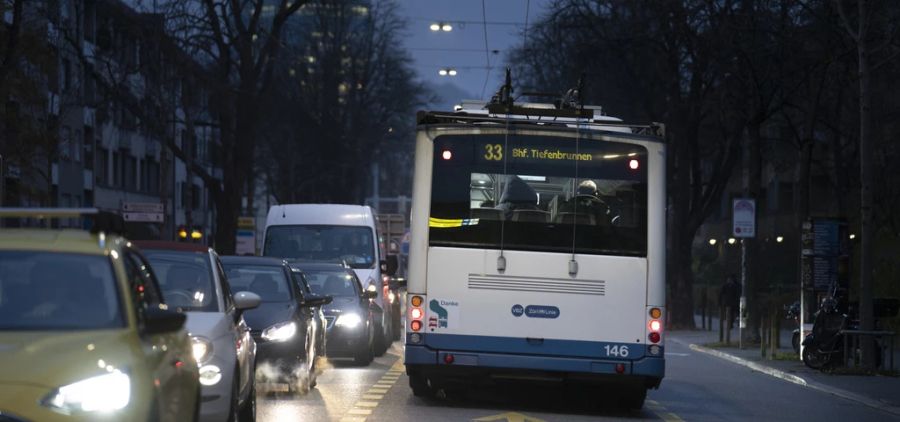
(469, 366)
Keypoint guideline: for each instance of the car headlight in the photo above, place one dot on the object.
(348, 320)
(102, 393)
(280, 332)
(202, 349)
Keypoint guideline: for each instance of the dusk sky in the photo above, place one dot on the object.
(463, 48)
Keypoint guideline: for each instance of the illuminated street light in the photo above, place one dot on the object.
(451, 72)
(731, 240)
(442, 72)
(852, 236)
(446, 27)
(712, 242)
(779, 239)
(435, 27)
(447, 72)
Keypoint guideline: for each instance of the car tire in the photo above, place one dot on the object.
(381, 343)
(397, 324)
(248, 410)
(364, 355)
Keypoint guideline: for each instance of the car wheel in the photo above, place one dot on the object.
(234, 414)
(248, 411)
(312, 367)
(381, 336)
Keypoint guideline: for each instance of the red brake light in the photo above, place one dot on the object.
(654, 337)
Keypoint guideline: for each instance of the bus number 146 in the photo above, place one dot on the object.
(616, 350)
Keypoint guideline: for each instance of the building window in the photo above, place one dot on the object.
(101, 171)
(129, 172)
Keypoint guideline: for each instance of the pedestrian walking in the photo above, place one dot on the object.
(730, 297)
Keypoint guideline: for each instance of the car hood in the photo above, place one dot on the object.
(341, 304)
(268, 314)
(50, 359)
(211, 325)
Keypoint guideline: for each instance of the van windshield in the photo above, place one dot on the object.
(354, 245)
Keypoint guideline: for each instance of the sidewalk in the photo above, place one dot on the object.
(876, 391)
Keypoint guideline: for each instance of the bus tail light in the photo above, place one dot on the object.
(654, 325)
(416, 313)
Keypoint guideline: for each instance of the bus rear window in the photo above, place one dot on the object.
(539, 194)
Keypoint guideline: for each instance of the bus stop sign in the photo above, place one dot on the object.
(743, 217)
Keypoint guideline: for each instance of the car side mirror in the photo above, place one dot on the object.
(246, 300)
(161, 320)
(369, 294)
(315, 300)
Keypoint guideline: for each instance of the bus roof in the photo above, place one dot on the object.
(472, 113)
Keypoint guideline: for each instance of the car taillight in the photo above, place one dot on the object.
(416, 313)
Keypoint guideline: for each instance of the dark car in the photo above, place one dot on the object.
(350, 316)
(283, 325)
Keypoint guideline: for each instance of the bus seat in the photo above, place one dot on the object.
(531, 216)
(581, 218)
(487, 213)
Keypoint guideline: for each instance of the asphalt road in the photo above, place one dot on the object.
(697, 387)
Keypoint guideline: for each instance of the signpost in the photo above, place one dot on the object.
(143, 212)
(245, 243)
(743, 226)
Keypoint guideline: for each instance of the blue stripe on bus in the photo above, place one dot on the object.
(653, 367)
(546, 347)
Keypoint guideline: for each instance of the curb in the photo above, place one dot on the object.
(794, 379)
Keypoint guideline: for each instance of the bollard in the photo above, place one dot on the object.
(703, 310)
(727, 330)
(721, 324)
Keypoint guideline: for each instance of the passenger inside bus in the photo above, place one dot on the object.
(585, 207)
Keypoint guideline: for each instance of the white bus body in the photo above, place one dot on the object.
(546, 313)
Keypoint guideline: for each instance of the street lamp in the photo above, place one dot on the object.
(447, 72)
(731, 240)
(852, 236)
(779, 239)
(442, 72)
(440, 26)
(712, 242)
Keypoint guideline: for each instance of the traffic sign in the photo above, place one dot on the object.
(143, 217)
(143, 207)
(743, 217)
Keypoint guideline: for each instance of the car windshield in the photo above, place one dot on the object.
(185, 279)
(332, 283)
(57, 291)
(353, 245)
(266, 281)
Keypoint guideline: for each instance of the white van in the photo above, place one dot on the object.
(328, 232)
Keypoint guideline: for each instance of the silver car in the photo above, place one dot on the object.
(193, 281)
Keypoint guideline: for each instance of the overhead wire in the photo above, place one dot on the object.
(487, 54)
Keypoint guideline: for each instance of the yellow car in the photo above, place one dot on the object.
(84, 334)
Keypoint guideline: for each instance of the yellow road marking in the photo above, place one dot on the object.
(660, 411)
(353, 419)
(366, 404)
(377, 391)
(363, 412)
(373, 396)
